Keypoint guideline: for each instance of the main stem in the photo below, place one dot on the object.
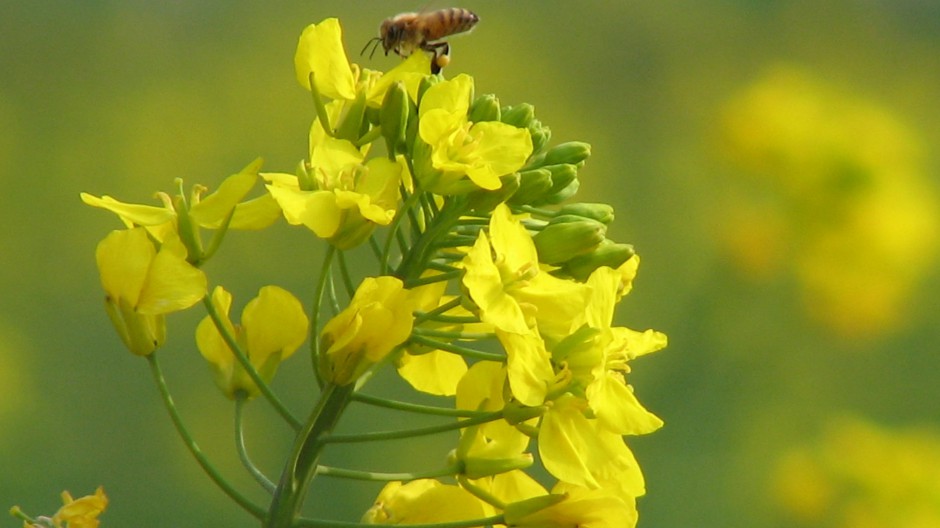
(300, 468)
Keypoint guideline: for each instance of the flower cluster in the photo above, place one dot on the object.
(485, 289)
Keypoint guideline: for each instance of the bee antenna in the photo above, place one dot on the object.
(374, 42)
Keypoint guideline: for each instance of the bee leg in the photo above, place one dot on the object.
(440, 55)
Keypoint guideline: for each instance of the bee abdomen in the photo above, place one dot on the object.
(452, 21)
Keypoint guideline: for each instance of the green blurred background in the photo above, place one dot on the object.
(122, 97)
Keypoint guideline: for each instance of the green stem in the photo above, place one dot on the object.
(416, 259)
(457, 349)
(260, 478)
(481, 493)
(187, 438)
(411, 433)
(470, 523)
(414, 407)
(393, 229)
(431, 279)
(315, 312)
(329, 471)
(459, 336)
(302, 464)
(421, 317)
(246, 364)
(344, 273)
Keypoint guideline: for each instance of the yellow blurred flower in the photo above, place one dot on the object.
(861, 475)
(837, 192)
(82, 512)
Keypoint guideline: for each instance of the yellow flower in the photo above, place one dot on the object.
(580, 507)
(320, 52)
(209, 212)
(580, 451)
(82, 512)
(481, 151)
(378, 319)
(422, 501)
(143, 284)
(351, 197)
(611, 399)
(510, 289)
(273, 327)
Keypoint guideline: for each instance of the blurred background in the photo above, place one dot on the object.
(773, 163)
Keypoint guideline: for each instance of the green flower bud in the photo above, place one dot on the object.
(608, 254)
(519, 115)
(351, 128)
(394, 117)
(427, 82)
(601, 212)
(425, 173)
(560, 241)
(573, 152)
(484, 108)
(483, 201)
(533, 186)
(540, 135)
(565, 183)
(479, 467)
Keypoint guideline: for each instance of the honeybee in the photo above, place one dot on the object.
(406, 32)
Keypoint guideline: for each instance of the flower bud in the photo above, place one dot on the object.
(573, 152)
(394, 117)
(427, 82)
(484, 108)
(540, 135)
(519, 115)
(350, 128)
(566, 237)
(476, 467)
(601, 212)
(608, 254)
(565, 183)
(533, 186)
(483, 201)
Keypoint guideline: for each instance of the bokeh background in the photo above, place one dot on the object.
(773, 163)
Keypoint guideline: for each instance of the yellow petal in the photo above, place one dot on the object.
(274, 322)
(320, 51)
(124, 259)
(213, 209)
(136, 214)
(436, 372)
